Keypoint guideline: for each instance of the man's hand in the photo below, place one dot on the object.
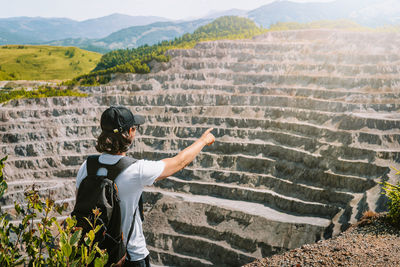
(208, 137)
(180, 161)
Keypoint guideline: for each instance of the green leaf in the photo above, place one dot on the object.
(98, 227)
(75, 238)
(66, 249)
(63, 239)
(75, 263)
(17, 208)
(3, 188)
(84, 254)
(91, 235)
(70, 222)
(91, 256)
(87, 240)
(38, 206)
(98, 262)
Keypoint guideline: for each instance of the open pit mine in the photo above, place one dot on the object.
(307, 125)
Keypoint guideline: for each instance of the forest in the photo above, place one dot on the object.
(137, 60)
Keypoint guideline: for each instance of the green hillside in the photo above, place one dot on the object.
(28, 62)
(136, 60)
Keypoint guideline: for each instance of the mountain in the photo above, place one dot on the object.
(150, 34)
(287, 11)
(25, 30)
(102, 27)
(230, 12)
(31, 30)
(135, 36)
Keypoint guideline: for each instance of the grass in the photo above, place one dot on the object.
(31, 62)
(44, 91)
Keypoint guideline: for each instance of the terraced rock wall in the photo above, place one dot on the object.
(306, 124)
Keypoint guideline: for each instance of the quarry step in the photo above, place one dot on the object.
(344, 121)
(338, 74)
(196, 69)
(361, 96)
(269, 198)
(267, 159)
(266, 181)
(50, 173)
(230, 64)
(172, 258)
(285, 135)
(197, 98)
(294, 172)
(235, 240)
(254, 235)
(256, 137)
(255, 209)
(283, 170)
(216, 252)
(321, 41)
(249, 55)
(55, 190)
(353, 96)
(303, 131)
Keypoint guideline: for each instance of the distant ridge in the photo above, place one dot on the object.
(134, 36)
(230, 12)
(380, 12)
(28, 30)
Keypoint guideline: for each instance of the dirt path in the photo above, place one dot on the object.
(371, 242)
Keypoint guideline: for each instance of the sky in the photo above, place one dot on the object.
(86, 9)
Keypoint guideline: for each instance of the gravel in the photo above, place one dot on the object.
(370, 242)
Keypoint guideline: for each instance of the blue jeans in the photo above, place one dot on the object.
(140, 263)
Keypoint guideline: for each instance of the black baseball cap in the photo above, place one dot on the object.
(119, 119)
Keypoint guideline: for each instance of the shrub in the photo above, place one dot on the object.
(393, 193)
(35, 238)
(70, 53)
(43, 91)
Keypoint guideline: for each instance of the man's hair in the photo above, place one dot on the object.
(114, 143)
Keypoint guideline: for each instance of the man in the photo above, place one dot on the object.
(119, 127)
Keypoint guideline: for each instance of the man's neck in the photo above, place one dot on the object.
(120, 154)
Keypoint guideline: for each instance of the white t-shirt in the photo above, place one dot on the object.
(130, 185)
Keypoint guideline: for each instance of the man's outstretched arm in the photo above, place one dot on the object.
(180, 161)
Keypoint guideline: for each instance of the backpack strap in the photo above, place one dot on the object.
(113, 171)
(141, 207)
(116, 169)
(130, 234)
(92, 165)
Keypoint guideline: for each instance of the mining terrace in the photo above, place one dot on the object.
(307, 124)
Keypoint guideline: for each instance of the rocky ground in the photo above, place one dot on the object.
(370, 242)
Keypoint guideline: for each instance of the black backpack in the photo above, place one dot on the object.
(101, 192)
